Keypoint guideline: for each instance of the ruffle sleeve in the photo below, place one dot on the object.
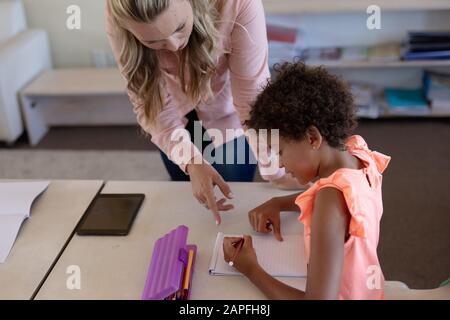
(357, 143)
(338, 181)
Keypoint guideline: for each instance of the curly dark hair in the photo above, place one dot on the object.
(301, 97)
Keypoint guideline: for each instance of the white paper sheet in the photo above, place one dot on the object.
(9, 228)
(279, 259)
(16, 199)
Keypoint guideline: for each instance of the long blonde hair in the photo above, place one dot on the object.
(140, 64)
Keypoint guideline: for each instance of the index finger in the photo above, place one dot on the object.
(223, 186)
(212, 204)
(229, 241)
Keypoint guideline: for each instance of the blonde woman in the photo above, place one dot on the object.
(189, 60)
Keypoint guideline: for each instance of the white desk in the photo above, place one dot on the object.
(116, 267)
(53, 218)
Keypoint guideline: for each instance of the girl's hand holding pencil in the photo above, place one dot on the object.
(240, 254)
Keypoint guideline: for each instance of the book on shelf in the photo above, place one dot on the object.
(437, 91)
(407, 101)
(380, 53)
(437, 85)
(427, 55)
(354, 53)
(283, 42)
(421, 47)
(320, 54)
(429, 36)
(385, 52)
(427, 45)
(284, 34)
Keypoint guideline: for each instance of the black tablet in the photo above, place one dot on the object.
(110, 215)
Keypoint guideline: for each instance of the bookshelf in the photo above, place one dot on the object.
(330, 6)
(328, 23)
(385, 114)
(396, 64)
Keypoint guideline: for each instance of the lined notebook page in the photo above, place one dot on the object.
(279, 259)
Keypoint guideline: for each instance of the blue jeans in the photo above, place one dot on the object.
(237, 171)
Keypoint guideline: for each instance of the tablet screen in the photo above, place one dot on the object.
(110, 214)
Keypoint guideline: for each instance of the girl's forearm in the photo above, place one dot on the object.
(287, 203)
(272, 288)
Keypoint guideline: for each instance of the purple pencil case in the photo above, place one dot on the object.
(169, 262)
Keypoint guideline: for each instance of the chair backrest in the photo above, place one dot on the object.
(12, 19)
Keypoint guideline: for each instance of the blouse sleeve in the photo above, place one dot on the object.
(250, 71)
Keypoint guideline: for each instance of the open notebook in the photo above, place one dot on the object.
(279, 259)
(16, 199)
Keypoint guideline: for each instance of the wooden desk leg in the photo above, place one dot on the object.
(34, 121)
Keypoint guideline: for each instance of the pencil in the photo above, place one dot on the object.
(188, 270)
(239, 244)
(187, 276)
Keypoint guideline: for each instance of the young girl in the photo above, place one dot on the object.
(314, 113)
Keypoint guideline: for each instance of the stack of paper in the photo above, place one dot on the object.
(16, 199)
(437, 91)
(364, 98)
(279, 259)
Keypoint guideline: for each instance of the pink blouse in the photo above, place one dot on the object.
(241, 74)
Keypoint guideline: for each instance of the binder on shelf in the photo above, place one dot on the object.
(427, 55)
(427, 45)
(171, 268)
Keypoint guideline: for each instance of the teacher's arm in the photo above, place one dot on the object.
(250, 73)
(249, 70)
(169, 134)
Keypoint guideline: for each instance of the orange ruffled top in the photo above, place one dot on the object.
(362, 277)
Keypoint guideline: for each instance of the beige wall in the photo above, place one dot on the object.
(70, 48)
(73, 48)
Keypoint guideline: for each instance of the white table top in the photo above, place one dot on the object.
(54, 216)
(77, 82)
(116, 267)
